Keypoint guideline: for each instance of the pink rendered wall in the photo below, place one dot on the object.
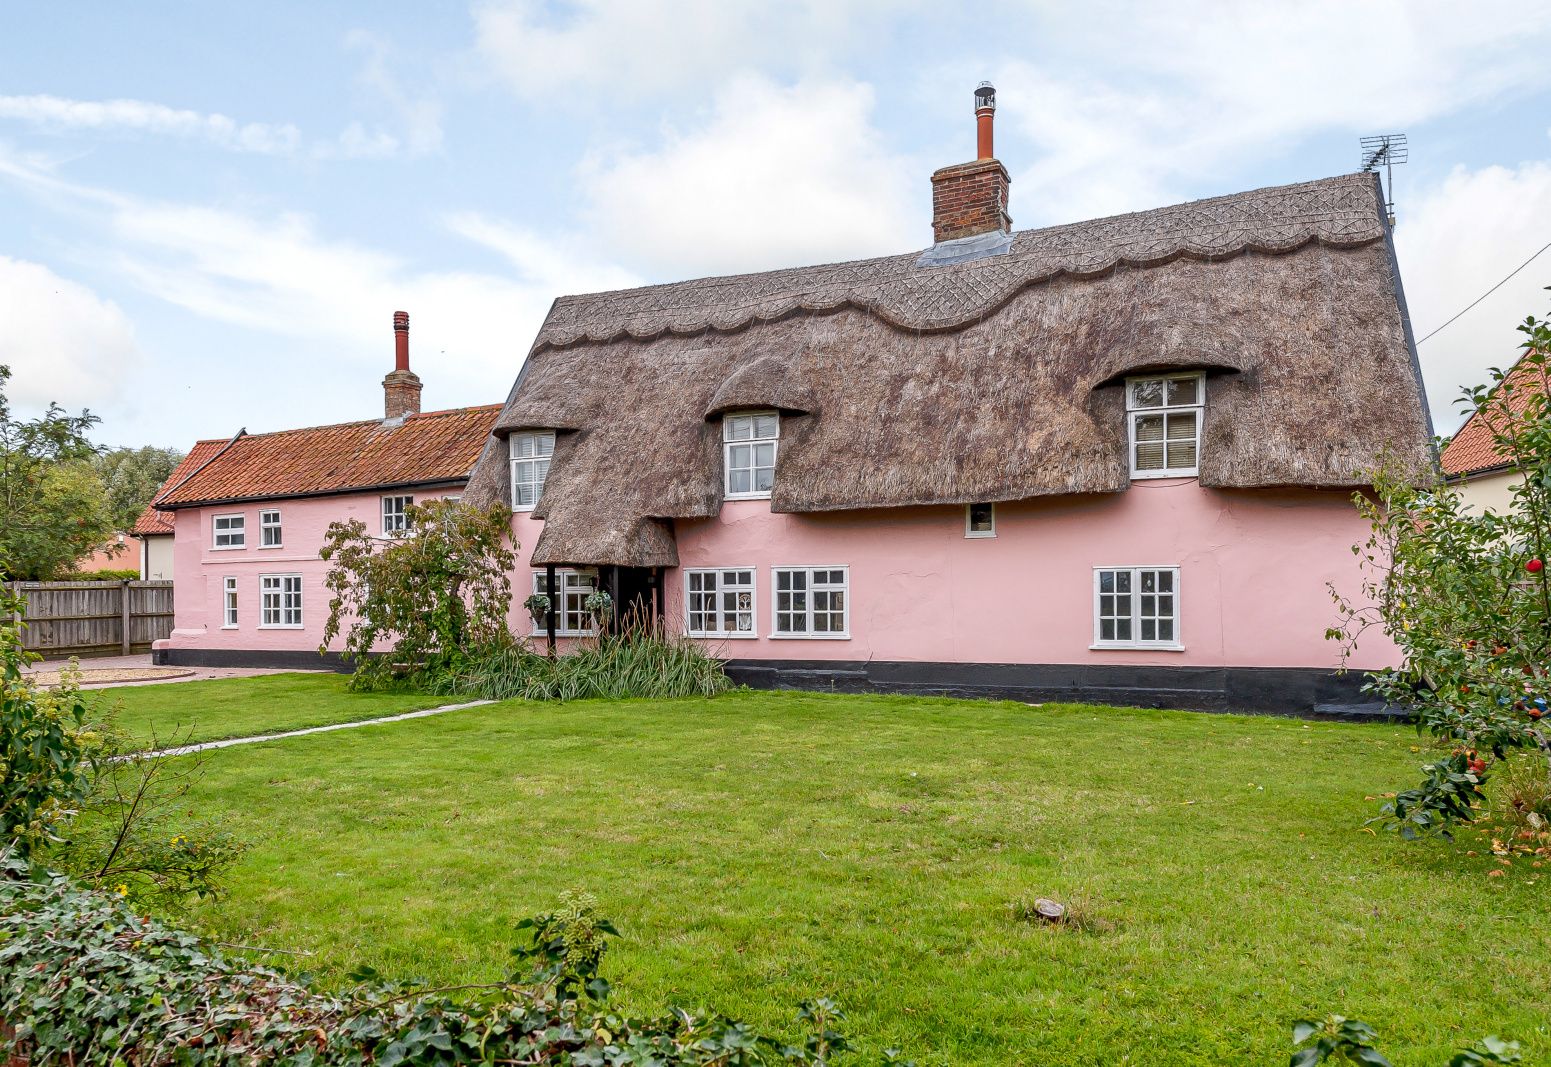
(199, 569)
(1253, 574)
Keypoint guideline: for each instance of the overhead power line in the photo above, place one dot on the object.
(1490, 291)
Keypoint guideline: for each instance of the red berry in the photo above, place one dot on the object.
(1535, 713)
(1477, 767)
(1533, 566)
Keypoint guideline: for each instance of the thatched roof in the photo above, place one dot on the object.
(989, 380)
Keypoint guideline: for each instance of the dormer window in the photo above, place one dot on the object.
(1164, 413)
(749, 446)
(530, 453)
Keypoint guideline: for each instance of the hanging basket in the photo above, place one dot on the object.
(538, 606)
(600, 606)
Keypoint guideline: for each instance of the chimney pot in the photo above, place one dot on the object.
(970, 199)
(401, 388)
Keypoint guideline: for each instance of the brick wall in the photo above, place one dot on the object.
(970, 199)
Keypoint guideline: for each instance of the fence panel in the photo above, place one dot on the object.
(94, 618)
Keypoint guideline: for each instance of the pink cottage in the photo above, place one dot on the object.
(1109, 461)
(247, 517)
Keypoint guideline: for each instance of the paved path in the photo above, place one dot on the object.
(185, 750)
(143, 659)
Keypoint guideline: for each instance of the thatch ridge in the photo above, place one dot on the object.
(1295, 315)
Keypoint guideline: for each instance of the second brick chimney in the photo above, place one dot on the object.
(970, 199)
(401, 388)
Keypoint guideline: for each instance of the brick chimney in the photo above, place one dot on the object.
(401, 389)
(970, 199)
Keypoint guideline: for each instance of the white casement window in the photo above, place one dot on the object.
(229, 588)
(812, 602)
(230, 531)
(749, 453)
(1136, 607)
(395, 513)
(980, 520)
(720, 603)
(530, 454)
(572, 619)
(269, 529)
(1165, 424)
(280, 601)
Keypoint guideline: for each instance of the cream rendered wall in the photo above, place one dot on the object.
(156, 558)
(1489, 492)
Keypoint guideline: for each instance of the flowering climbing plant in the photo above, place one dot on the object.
(1466, 595)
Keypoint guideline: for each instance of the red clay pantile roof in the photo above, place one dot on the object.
(152, 520)
(1471, 450)
(436, 446)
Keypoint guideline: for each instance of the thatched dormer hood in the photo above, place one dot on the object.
(990, 380)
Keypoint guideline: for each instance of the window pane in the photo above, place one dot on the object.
(764, 455)
(1106, 629)
(765, 426)
(1149, 581)
(1166, 630)
(739, 456)
(764, 479)
(1147, 393)
(1149, 630)
(1166, 581)
(1106, 581)
(799, 579)
(980, 518)
(738, 428)
(740, 481)
(1166, 606)
(1149, 605)
(783, 579)
(1122, 629)
(1149, 442)
(1123, 581)
(1183, 390)
(544, 444)
(1182, 426)
(1182, 455)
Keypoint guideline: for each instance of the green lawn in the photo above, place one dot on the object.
(233, 707)
(760, 848)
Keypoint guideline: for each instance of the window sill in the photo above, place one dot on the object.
(979, 536)
(810, 637)
(227, 548)
(742, 635)
(264, 548)
(746, 496)
(1114, 646)
(1143, 476)
(280, 626)
(519, 509)
(230, 627)
(565, 633)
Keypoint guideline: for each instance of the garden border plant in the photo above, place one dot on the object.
(1466, 597)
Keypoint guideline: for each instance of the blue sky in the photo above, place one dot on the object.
(208, 213)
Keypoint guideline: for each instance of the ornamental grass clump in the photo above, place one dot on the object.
(643, 660)
(86, 981)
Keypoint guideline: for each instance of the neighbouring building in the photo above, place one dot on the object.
(1112, 460)
(154, 528)
(1471, 461)
(246, 517)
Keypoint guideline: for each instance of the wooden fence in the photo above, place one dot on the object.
(94, 618)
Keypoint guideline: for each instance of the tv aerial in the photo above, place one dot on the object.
(1385, 150)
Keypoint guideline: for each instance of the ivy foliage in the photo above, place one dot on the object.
(84, 980)
(1466, 596)
(423, 601)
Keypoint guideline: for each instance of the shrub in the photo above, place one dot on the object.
(45, 750)
(83, 980)
(436, 593)
(1467, 598)
(124, 574)
(643, 661)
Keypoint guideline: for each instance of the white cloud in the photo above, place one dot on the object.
(280, 275)
(1455, 242)
(773, 177)
(57, 114)
(626, 49)
(142, 116)
(1199, 88)
(61, 340)
(419, 116)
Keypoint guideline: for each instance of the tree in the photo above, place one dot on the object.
(1467, 598)
(436, 595)
(132, 476)
(53, 508)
